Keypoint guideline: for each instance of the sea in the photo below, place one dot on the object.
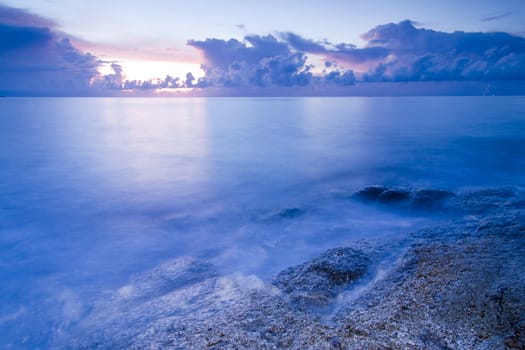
(97, 191)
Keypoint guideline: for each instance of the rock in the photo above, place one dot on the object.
(167, 277)
(459, 285)
(443, 201)
(416, 199)
(168, 289)
(370, 193)
(394, 196)
(316, 282)
(456, 287)
(517, 340)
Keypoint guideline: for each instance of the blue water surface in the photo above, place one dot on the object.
(96, 191)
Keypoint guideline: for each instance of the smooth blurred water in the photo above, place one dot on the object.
(95, 191)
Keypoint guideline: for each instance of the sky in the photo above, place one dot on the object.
(233, 47)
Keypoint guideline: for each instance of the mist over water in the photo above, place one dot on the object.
(96, 191)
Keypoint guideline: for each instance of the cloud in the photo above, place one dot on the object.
(35, 59)
(266, 62)
(261, 61)
(301, 44)
(221, 53)
(416, 54)
(496, 17)
(341, 78)
(17, 17)
(394, 52)
(14, 37)
(117, 79)
(343, 52)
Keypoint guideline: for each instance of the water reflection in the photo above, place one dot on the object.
(142, 145)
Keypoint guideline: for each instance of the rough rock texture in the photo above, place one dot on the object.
(517, 338)
(457, 287)
(318, 281)
(460, 285)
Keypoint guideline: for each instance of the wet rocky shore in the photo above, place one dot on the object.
(457, 285)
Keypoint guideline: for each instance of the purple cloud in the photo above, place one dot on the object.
(402, 52)
(305, 45)
(343, 52)
(341, 78)
(14, 37)
(395, 52)
(17, 17)
(222, 53)
(261, 61)
(427, 55)
(115, 80)
(34, 59)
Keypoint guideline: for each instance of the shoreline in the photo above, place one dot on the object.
(458, 285)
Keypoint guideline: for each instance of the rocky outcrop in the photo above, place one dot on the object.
(517, 338)
(316, 282)
(478, 202)
(459, 285)
(456, 287)
(414, 199)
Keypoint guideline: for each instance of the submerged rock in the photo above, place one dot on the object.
(468, 202)
(417, 198)
(394, 196)
(319, 280)
(370, 193)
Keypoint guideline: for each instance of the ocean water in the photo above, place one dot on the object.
(96, 191)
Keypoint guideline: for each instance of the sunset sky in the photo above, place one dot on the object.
(233, 47)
